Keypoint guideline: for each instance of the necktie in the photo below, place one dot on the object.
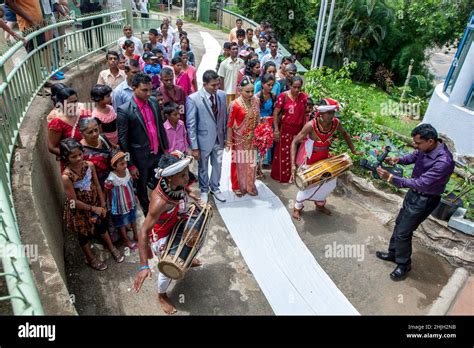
(214, 106)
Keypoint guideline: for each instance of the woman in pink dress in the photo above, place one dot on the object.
(189, 69)
(104, 112)
(244, 116)
(292, 104)
(181, 78)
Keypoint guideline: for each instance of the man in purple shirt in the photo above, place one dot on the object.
(434, 165)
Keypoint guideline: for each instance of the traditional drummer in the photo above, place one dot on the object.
(168, 205)
(318, 134)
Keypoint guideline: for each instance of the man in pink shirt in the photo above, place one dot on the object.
(142, 136)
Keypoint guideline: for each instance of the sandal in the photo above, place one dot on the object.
(43, 93)
(118, 256)
(238, 193)
(132, 246)
(96, 264)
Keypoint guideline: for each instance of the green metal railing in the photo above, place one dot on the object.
(142, 25)
(18, 87)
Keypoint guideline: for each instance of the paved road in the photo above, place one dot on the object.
(224, 285)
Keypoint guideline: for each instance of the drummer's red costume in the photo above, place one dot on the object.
(163, 228)
(317, 150)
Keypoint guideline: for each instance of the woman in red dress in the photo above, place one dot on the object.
(244, 116)
(63, 119)
(128, 48)
(292, 104)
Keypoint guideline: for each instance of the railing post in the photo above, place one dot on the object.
(126, 5)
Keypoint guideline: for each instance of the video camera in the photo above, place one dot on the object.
(372, 166)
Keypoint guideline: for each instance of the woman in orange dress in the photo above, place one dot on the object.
(244, 116)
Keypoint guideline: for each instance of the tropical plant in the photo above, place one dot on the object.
(299, 44)
(383, 77)
(286, 16)
(361, 27)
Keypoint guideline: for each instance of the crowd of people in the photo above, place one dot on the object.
(146, 119)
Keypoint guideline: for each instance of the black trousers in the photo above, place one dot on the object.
(146, 174)
(416, 208)
(99, 32)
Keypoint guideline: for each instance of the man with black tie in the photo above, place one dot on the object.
(206, 122)
(142, 135)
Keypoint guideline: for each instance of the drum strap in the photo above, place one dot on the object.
(320, 148)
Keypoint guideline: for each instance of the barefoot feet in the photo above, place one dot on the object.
(196, 263)
(297, 214)
(323, 210)
(166, 304)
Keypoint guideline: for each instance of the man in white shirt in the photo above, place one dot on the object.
(171, 30)
(143, 7)
(228, 72)
(127, 30)
(179, 29)
(274, 56)
(113, 76)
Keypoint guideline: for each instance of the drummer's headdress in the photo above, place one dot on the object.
(327, 104)
(172, 164)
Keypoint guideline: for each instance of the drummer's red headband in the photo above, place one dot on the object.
(330, 105)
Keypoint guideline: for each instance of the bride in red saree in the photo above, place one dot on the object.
(244, 116)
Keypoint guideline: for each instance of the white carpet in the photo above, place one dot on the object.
(209, 60)
(286, 271)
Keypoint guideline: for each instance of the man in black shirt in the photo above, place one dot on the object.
(89, 6)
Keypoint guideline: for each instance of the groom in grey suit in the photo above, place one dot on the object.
(206, 122)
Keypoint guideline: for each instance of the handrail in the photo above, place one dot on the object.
(17, 91)
(283, 50)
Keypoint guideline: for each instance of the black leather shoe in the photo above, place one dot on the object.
(400, 272)
(385, 256)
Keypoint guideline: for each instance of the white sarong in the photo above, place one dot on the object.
(317, 194)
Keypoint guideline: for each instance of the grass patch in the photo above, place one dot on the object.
(376, 99)
(401, 126)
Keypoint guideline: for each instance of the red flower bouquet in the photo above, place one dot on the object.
(263, 138)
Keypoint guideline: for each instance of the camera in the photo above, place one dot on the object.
(372, 166)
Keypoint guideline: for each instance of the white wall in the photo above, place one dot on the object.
(453, 120)
(447, 114)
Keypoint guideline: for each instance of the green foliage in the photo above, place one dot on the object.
(401, 62)
(287, 16)
(299, 44)
(434, 22)
(237, 9)
(361, 29)
(383, 78)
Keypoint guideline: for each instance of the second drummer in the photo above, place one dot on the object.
(168, 201)
(320, 131)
